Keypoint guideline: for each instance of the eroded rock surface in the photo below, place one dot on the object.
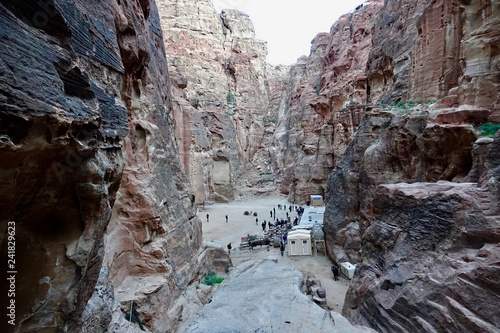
(429, 261)
(62, 127)
(382, 54)
(87, 137)
(263, 296)
(414, 200)
(325, 100)
(424, 240)
(222, 108)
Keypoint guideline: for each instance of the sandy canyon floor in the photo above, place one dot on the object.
(239, 225)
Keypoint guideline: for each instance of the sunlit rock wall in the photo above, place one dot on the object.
(222, 67)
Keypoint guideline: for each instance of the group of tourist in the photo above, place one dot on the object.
(276, 226)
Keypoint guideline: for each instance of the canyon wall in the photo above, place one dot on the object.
(220, 105)
(426, 51)
(383, 53)
(324, 102)
(414, 200)
(87, 136)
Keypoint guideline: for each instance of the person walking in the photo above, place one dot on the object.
(256, 221)
(335, 271)
(229, 247)
(282, 248)
(226, 218)
(207, 217)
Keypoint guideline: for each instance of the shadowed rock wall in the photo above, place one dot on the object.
(414, 200)
(87, 137)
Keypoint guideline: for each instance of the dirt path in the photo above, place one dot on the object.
(239, 225)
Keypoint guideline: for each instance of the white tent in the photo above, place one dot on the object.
(311, 216)
(299, 243)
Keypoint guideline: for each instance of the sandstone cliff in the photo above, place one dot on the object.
(385, 53)
(424, 242)
(219, 67)
(414, 200)
(324, 102)
(87, 136)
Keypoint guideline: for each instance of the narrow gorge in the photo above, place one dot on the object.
(120, 119)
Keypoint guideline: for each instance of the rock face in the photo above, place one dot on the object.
(62, 127)
(399, 208)
(221, 70)
(324, 102)
(284, 309)
(414, 200)
(87, 136)
(406, 64)
(381, 54)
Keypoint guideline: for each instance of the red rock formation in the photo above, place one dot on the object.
(325, 103)
(403, 51)
(62, 126)
(398, 206)
(85, 119)
(224, 69)
(401, 234)
(425, 51)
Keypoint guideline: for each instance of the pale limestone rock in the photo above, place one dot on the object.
(264, 296)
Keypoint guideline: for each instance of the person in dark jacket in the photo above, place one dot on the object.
(282, 248)
(335, 271)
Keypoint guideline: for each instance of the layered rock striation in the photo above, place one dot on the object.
(413, 201)
(426, 51)
(63, 122)
(383, 54)
(425, 249)
(87, 136)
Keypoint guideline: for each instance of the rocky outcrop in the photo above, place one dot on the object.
(413, 201)
(399, 208)
(62, 127)
(87, 136)
(384, 54)
(221, 67)
(285, 308)
(429, 261)
(426, 51)
(325, 102)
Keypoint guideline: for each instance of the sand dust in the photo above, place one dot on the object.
(239, 225)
